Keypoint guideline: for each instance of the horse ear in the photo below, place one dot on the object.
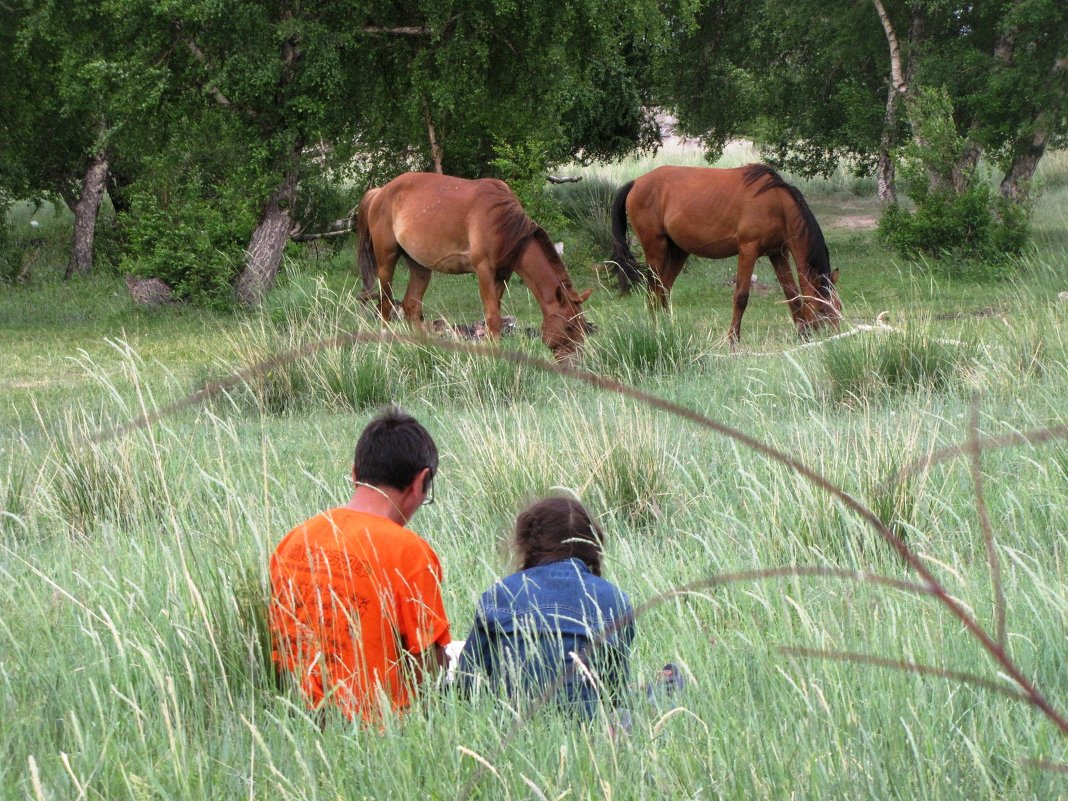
(834, 276)
(584, 295)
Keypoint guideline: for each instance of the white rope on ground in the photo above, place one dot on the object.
(860, 328)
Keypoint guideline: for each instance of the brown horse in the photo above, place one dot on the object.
(453, 225)
(746, 212)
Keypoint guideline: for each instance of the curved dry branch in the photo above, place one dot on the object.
(975, 462)
(905, 666)
(1036, 436)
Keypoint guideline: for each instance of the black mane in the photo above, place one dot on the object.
(819, 257)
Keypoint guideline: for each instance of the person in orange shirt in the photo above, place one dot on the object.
(356, 609)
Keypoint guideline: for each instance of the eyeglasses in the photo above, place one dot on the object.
(429, 499)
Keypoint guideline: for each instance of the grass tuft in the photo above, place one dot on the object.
(863, 368)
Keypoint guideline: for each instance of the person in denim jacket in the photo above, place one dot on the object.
(555, 628)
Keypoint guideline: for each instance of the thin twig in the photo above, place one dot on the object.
(1036, 436)
(1045, 764)
(984, 524)
(904, 665)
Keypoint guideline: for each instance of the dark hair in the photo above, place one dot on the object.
(393, 449)
(555, 529)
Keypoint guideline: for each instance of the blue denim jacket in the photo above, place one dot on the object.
(552, 624)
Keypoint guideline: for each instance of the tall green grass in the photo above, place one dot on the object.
(133, 655)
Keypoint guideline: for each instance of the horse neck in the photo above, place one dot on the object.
(543, 275)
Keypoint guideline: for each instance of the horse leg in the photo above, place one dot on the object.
(412, 305)
(387, 264)
(794, 300)
(666, 260)
(491, 290)
(747, 256)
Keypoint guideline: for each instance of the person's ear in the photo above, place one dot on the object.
(421, 481)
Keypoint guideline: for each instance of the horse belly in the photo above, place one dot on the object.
(707, 244)
(436, 244)
(453, 262)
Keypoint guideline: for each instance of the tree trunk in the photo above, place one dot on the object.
(435, 146)
(965, 166)
(901, 79)
(885, 176)
(1017, 181)
(85, 212)
(265, 247)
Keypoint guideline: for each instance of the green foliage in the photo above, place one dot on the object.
(10, 255)
(958, 217)
(190, 235)
(522, 167)
(976, 233)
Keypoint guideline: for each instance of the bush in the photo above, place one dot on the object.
(190, 236)
(977, 232)
(523, 167)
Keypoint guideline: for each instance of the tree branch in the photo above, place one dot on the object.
(397, 31)
(199, 55)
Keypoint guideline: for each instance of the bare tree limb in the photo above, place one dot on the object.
(199, 55)
(402, 30)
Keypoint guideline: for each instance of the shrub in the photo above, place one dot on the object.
(523, 167)
(975, 233)
(587, 205)
(190, 236)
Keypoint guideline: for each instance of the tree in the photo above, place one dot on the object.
(55, 131)
(823, 83)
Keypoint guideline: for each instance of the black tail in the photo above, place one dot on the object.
(367, 262)
(627, 268)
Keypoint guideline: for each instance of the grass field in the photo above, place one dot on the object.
(132, 653)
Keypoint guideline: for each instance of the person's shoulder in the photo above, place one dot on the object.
(607, 592)
(311, 526)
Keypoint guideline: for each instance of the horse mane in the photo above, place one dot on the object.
(507, 216)
(517, 228)
(542, 239)
(818, 256)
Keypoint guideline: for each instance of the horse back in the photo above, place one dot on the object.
(451, 224)
(708, 211)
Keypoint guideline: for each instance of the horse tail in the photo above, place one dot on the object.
(626, 266)
(365, 249)
(818, 256)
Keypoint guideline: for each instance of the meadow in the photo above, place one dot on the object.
(134, 662)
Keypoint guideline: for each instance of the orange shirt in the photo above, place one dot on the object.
(351, 592)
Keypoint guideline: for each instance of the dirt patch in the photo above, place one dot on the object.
(857, 222)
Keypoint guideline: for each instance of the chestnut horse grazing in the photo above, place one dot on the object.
(453, 225)
(746, 212)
